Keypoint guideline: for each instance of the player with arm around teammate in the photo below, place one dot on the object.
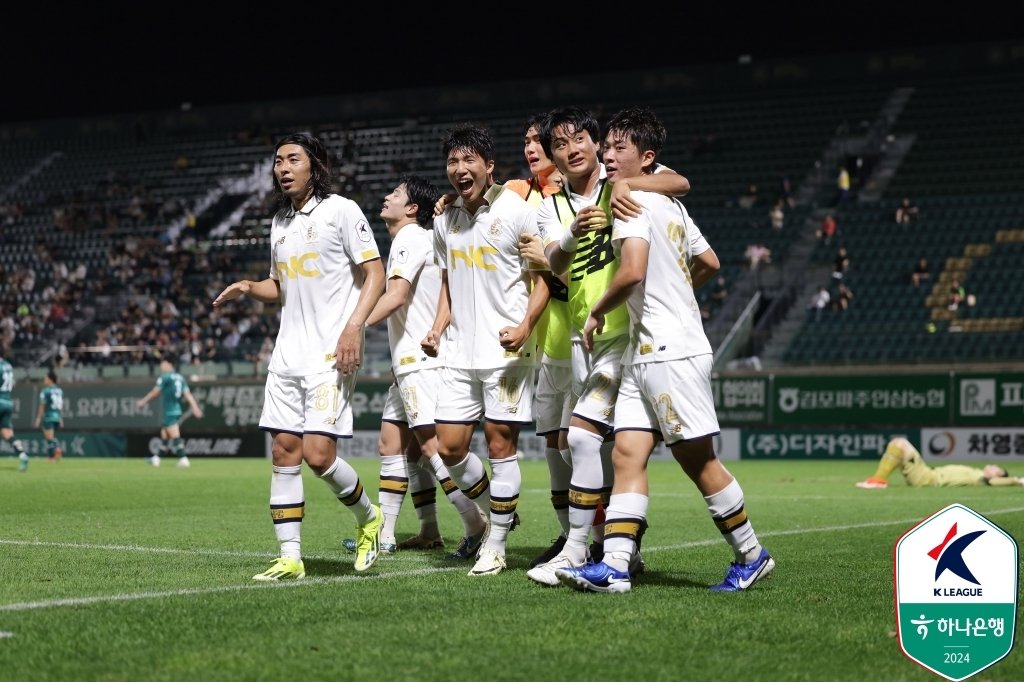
(666, 381)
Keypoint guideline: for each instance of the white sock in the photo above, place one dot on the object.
(394, 483)
(729, 515)
(584, 489)
(424, 498)
(287, 507)
(506, 481)
(626, 512)
(559, 473)
(470, 476)
(344, 482)
(468, 511)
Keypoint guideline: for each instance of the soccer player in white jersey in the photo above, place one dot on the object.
(489, 303)
(666, 383)
(575, 227)
(409, 305)
(325, 270)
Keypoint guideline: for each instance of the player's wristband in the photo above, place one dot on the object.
(568, 242)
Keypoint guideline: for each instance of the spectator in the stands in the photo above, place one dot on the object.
(719, 292)
(842, 186)
(842, 263)
(749, 199)
(920, 272)
(843, 298)
(905, 211)
(820, 301)
(957, 294)
(827, 231)
(777, 216)
(756, 254)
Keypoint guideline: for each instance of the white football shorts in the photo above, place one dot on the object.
(318, 403)
(596, 378)
(504, 394)
(672, 398)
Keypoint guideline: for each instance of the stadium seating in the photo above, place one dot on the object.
(160, 222)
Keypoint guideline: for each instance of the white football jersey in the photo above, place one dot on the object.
(549, 223)
(412, 259)
(315, 255)
(487, 279)
(664, 316)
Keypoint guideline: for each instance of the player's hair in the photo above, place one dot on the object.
(424, 194)
(640, 126)
(534, 121)
(319, 163)
(470, 137)
(1006, 474)
(574, 119)
(51, 375)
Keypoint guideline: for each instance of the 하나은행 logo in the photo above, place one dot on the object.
(955, 580)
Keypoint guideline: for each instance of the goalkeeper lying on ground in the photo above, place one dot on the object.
(900, 454)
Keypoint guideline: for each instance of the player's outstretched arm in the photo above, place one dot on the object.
(267, 291)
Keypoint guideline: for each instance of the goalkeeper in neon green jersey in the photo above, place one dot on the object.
(900, 454)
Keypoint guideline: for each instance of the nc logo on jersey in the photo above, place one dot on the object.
(474, 256)
(956, 583)
(299, 266)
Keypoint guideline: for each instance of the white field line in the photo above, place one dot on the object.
(138, 596)
(85, 601)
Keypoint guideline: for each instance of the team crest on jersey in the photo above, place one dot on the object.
(364, 231)
(495, 229)
(310, 235)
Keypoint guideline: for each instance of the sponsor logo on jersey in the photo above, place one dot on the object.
(298, 266)
(474, 256)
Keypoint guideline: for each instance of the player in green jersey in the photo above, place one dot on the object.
(7, 411)
(172, 389)
(49, 415)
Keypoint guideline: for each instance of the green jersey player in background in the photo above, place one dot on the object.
(7, 411)
(172, 389)
(49, 415)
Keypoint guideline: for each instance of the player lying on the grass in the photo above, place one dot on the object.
(900, 454)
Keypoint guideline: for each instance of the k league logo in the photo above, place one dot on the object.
(956, 592)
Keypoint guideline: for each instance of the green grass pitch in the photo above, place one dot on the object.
(113, 570)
